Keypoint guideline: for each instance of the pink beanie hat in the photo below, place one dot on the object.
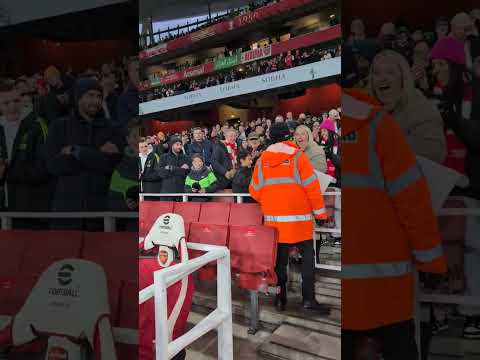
(449, 49)
(328, 124)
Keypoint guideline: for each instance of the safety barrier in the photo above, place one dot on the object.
(109, 218)
(220, 319)
(454, 299)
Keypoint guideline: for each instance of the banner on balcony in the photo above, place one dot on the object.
(304, 73)
(227, 62)
(256, 54)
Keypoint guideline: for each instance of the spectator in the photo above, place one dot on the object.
(243, 176)
(201, 179)
(127, 106)
(148, 164)
(22, 154)
(200, 145)
(462, 26)
(357, 32)
(174, 168)
(392, 84)
(83, 150)
(56, 103)
(224, 160)
(124, 184)
(255, 147)
(314, 152)
(459, 105)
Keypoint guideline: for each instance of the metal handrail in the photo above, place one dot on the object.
(220, 319)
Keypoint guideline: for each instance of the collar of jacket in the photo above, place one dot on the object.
(358, 110)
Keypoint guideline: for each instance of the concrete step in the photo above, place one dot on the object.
(295, 343)
(205, 297)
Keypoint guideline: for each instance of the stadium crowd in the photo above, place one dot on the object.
(429, 80)
(280, 62)
(221, 158)
(69, 142)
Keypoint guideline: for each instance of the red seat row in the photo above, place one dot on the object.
(25, 255)
(206, 213)
(253, 251)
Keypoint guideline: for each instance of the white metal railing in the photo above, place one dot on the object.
(239, 199)
(109, 217)
(220, 319)
(435, 298)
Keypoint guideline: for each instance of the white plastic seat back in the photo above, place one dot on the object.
(69, 299)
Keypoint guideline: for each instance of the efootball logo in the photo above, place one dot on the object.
(65, 274)
(166, 220)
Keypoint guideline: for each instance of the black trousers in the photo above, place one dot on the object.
(308, 268)
(394, 342)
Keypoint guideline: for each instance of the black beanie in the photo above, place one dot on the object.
(84, 85)
(279, 132)
(174, 139)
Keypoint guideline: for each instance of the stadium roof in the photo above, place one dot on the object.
(175, 9)
(116, 20)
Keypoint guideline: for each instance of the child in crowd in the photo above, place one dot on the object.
(201, 179)
(243, 176)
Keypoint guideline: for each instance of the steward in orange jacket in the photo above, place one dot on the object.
(285, 185)
(389, 228)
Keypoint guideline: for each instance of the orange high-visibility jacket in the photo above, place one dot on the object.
(285, 185)
(389, 226)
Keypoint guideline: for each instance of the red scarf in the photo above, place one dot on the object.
(232, 152)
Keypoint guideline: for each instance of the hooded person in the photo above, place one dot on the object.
(200, 179)
(174, 167)
(391, 83)
(285, 185)
(315, 153)
(82, 151)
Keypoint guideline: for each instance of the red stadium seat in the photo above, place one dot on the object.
(12, 247)
(214, 213)
(114, 293)
(190, 211)
(115, 252)
(128, 311)
(14, 291)
(222, 199)
(253, 253)
(245, 214)
(149, 211)
(43, 248)
(209, 234)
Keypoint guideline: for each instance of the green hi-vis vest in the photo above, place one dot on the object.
(204, 183)
(121, 184)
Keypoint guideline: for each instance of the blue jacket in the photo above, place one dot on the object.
(205, 148)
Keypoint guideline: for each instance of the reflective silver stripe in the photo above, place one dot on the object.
(260, 184)
(375, 177)
(255, 186)
(319, 211)
(276, 181)
(287, 218)
(260, 172)
(361, 181)
(309, 180)
(428, 255)
(296, 173)
(368, 271)
(403, 181)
